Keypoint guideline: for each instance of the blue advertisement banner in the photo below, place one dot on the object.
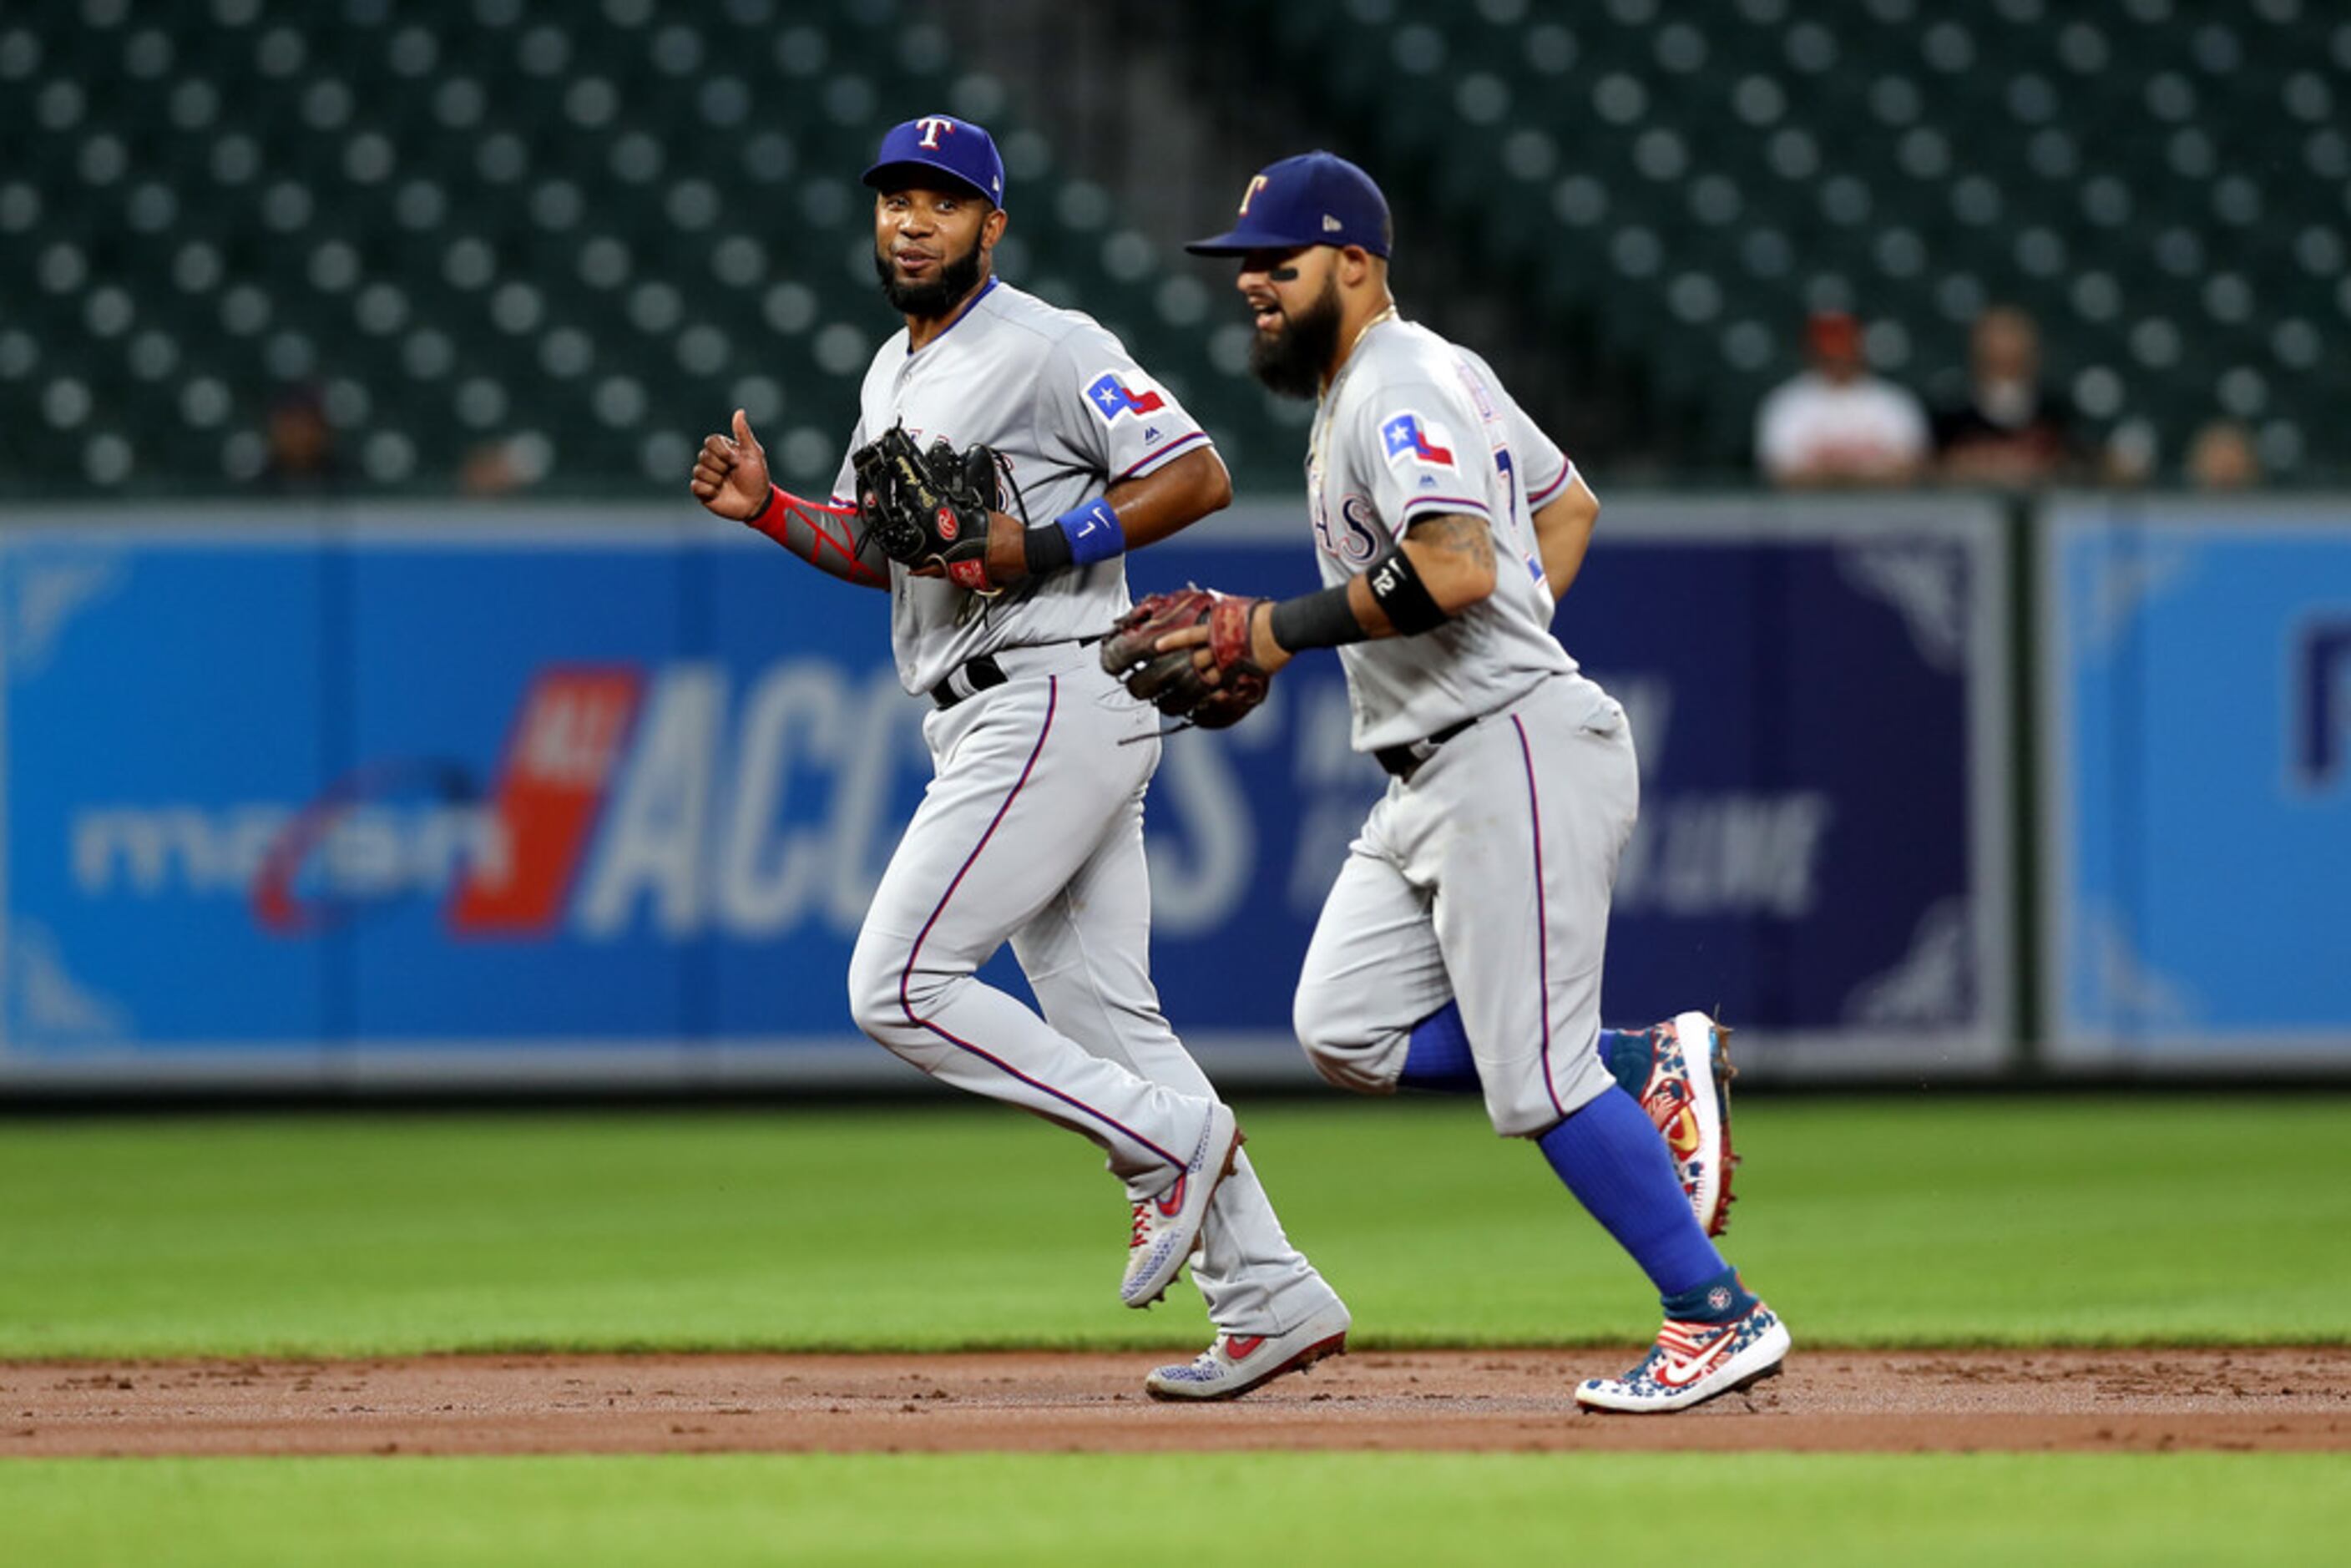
(2197, 844)
(507, 795)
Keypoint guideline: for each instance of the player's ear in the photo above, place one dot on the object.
(1355, 265)
(991, 228)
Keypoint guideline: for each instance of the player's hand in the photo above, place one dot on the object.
(1264, 652)
(730, 474)
(1007, 552)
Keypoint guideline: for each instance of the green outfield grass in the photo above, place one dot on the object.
(1914, 1221)
(1752, 1509)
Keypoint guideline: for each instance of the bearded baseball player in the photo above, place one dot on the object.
(1006, 455)
(1461, 944)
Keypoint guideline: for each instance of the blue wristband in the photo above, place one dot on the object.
(1092, 531)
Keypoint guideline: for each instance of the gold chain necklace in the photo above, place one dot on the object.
(1329, 396)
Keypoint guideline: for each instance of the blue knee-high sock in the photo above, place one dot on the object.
(1438, 1055)
(1624, 1052)
(1612, 1159)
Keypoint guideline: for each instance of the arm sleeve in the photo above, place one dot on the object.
(1422, 450)
(1122, 423)
(827, 537)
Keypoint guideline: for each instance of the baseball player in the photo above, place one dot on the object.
(1031, 829)
(1464, 933)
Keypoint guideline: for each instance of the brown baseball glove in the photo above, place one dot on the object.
(1213, 697)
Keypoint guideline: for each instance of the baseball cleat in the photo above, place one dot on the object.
(1167, 1228)
(1683, 1073)
(1239, 1363)
(1693, 1363)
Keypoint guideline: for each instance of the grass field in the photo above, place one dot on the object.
(1868, 1222)
(1417, 1508)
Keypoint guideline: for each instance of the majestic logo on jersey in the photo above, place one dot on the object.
(1112, 398)
(932, 125)
(1408, 436)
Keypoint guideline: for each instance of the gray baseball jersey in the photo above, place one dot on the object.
(1415, 426)
(1031, 829)
(1059, 397)
(1528, 810)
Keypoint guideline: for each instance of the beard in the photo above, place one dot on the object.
(930, 300)
(1291, 359)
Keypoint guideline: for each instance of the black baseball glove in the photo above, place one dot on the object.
(922, 506)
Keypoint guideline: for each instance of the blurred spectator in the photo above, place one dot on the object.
(504, 467)
(302, 456)
(2221, 457)
(2011, 429)
(1836, 423)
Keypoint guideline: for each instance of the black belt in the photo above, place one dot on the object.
(1405, 760)
(977, 676)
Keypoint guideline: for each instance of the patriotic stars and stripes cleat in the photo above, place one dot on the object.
(1239, 1363)
(1692, 1363)
(1167, 1228)
(1680, 1071)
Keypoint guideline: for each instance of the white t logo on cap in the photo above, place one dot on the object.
(1250, 195)
(932, 125)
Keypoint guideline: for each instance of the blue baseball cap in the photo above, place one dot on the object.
(1315, 198)
(946, 145)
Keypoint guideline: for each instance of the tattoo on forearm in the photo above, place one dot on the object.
(1455, 533)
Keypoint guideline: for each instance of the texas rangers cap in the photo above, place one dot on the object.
(1315, 198)
(946, 145)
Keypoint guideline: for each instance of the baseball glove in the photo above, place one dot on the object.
(1175, 682)
(922, 506)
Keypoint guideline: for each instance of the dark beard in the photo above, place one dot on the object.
(929, 301)
(1290, 361)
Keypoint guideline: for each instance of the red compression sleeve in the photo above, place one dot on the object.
(823, 537)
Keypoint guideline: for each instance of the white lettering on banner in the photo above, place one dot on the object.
(1200, 871)
(1727, 854)
(654, 838)
(367, 851)
(767, 875)
(697, 828)
(1337, 786)
(570, 739)
(865, 819)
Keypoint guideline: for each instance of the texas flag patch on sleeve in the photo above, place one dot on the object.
(1421, 440)
(1114, 397)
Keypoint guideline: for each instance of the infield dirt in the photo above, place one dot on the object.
(2265, 1398)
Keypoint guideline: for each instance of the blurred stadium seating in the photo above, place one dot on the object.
(2165, 186)
(593, 229)
(589, 229)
